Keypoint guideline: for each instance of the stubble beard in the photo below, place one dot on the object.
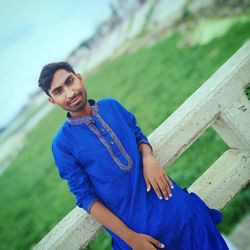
(79, 105)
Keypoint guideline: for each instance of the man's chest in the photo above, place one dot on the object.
(105, 146)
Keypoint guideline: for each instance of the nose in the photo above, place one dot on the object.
(69, 93)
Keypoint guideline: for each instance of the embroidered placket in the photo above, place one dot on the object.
(117, 142)
(122, 166)
(88, 120)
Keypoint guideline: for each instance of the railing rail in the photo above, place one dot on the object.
(220, 103)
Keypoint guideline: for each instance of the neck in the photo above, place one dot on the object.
(87, 111)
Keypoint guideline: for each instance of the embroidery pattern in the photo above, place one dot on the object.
(88, 121)
(111, 152)
(117, 141)
(83, 119)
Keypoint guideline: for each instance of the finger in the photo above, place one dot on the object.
(165, 188)
(148, 186)
(168, 187)
(152, 247)
(157, 243)
(170, 183)
(157, 190)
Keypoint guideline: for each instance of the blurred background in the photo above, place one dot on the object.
(149, 55)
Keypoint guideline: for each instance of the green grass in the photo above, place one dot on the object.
(152, 83)
(30, 188)
(22, 119)
(247, 92)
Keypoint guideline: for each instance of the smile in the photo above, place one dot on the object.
(74, 100)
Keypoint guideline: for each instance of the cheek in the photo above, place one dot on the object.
(79, 86)
(60, 101)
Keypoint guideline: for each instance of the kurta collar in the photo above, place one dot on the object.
(85, 119)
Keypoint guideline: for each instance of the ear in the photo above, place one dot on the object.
(51, 100)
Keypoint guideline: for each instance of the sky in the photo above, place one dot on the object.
(34, 33)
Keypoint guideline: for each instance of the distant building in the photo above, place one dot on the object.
(119, 11)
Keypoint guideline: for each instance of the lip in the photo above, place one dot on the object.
(75, 99)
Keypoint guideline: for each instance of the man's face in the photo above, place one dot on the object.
(67, 91)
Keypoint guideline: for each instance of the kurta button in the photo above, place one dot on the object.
(111, 142)
(93, 121)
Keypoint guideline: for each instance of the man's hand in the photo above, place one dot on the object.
(145, 242)
(154, 174)
(136, 240)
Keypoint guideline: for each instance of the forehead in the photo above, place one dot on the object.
(59, 78)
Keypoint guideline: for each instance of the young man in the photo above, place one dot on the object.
(110, 168)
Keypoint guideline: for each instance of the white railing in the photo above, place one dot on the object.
(219, 103)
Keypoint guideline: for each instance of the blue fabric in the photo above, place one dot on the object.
(182, 222)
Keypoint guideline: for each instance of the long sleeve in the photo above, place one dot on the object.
(71, 170)
(131, 120)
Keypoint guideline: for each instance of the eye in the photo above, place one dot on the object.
(57, 91)
(70, 80)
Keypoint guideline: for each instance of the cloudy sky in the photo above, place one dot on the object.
(33, 33)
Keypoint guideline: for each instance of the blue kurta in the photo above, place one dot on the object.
(98, 156)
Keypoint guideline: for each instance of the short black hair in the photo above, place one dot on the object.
(47, 74)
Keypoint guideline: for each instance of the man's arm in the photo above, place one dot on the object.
(154, 174)
(135, 240)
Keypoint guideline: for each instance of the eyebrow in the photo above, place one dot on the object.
(65, 81)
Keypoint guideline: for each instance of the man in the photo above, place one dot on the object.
(110, 168)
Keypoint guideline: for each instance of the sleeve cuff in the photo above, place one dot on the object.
(87, 202)
(143, 140)
(91, 204)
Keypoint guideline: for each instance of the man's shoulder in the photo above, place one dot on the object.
(109, 102)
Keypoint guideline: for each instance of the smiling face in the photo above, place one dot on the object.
(67, 91)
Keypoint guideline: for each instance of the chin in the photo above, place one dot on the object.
(80, 106)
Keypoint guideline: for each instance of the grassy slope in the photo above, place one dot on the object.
(152, 83)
